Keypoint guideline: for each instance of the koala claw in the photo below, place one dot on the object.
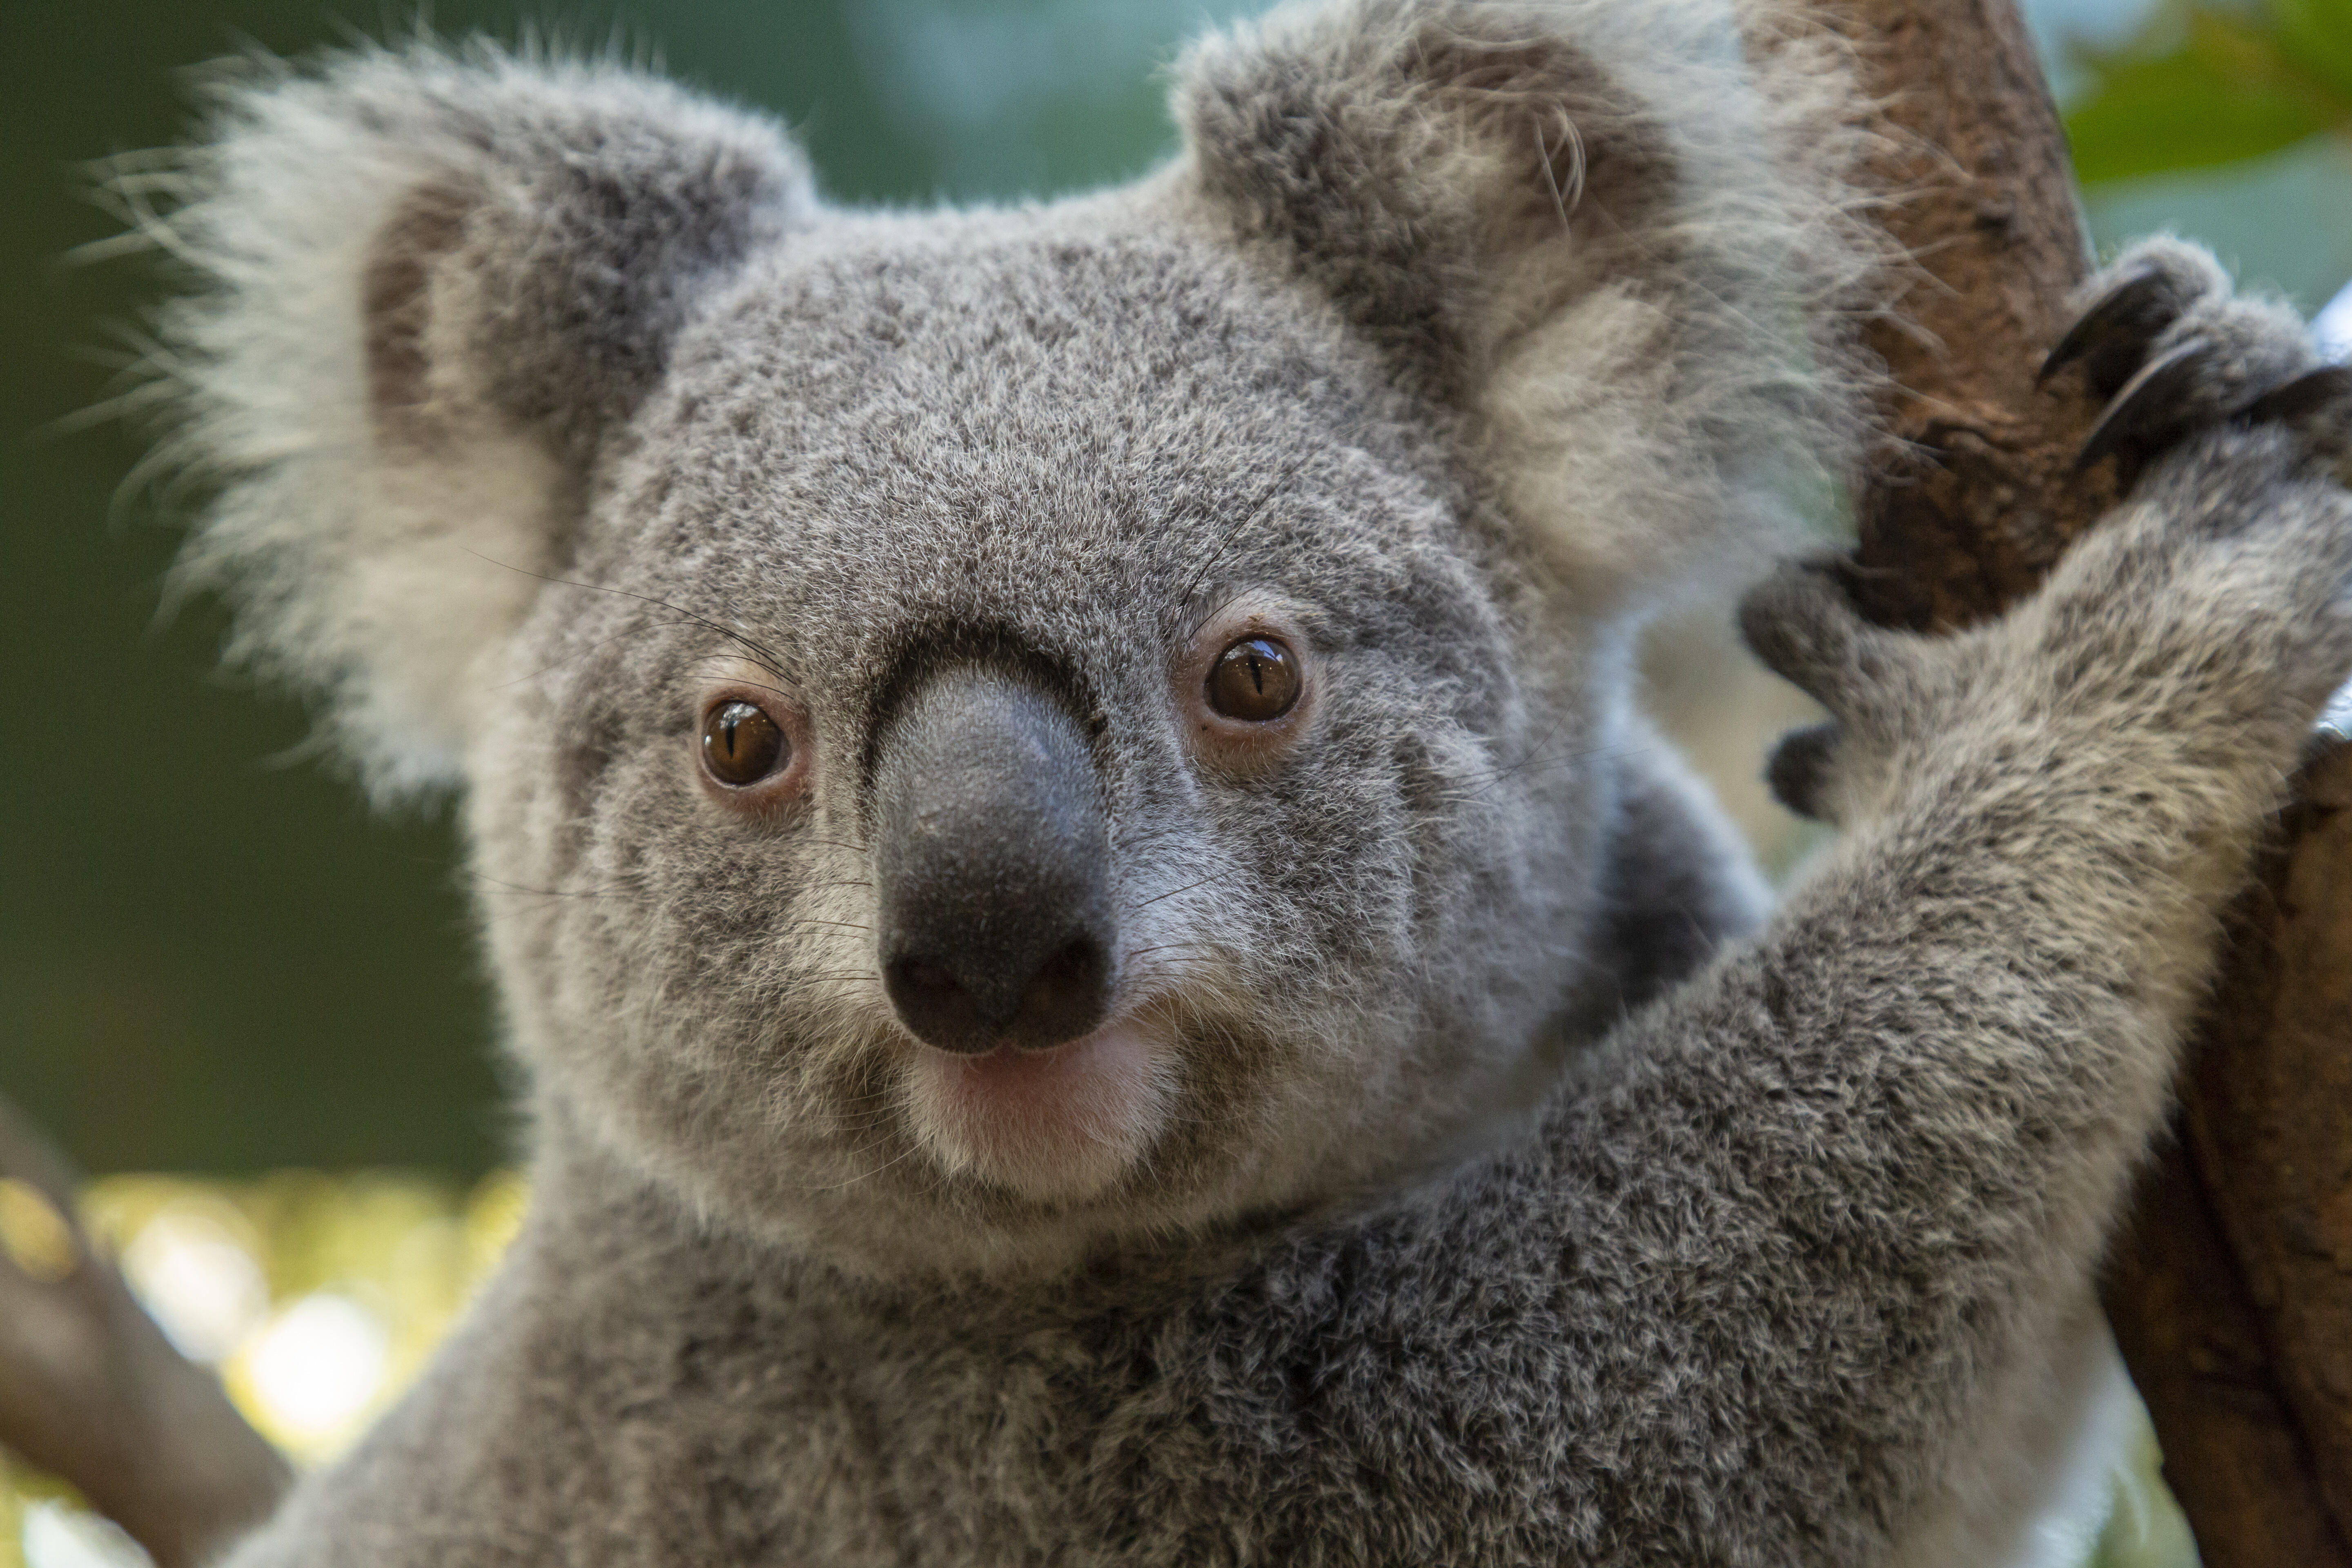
(1802, 624)
(2156, 400)
(2290, 402)
(2111, 334)
(2169, 346)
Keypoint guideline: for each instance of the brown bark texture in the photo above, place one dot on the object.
(92, 1392)
(2230, 1289)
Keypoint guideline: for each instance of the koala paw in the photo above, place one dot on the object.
(2212, 610)
(2172, 350)
(2235, 554)
(1802, 624)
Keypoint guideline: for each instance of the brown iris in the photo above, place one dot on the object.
(742, 745)
(1255, 680)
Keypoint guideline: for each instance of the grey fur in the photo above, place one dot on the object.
(1457, 1199)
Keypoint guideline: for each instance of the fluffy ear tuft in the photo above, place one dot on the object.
(434, 284)
(1619, 251)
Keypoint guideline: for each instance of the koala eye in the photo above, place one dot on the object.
(1255, 680)
(1246, 686)
(742, 745)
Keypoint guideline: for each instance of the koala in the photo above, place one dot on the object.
(1103, 965)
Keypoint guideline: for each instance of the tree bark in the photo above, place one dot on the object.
(90, 1391)
(2230, 1289)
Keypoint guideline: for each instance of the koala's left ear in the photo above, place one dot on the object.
(437, 285)
(1598, 232)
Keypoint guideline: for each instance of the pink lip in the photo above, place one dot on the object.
(1007, 1070)
(1052, 1122)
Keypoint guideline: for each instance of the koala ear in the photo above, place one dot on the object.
(1616, 248)
(435, 286)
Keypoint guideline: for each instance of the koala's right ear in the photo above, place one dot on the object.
(436, 284)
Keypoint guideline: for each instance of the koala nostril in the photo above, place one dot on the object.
(1065, 998)
(933, 985)
(933, 1002)
(1071, 970)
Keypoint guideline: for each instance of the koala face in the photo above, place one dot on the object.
(990, 733)
(1151, 795)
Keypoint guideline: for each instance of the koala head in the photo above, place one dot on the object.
(991, 733)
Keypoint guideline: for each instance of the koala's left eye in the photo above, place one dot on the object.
(742, 745)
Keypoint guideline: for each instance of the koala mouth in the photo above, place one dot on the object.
(1057, 1125)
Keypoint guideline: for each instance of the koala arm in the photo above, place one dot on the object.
(1744, 1297)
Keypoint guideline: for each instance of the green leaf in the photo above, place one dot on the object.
(2226, 92)
(2316, 37)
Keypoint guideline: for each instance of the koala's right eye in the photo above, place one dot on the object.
(741, 744)
(1255, 681)
(754, 746)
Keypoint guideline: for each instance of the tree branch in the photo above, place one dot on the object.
(90, 1391)
(2231, 1291)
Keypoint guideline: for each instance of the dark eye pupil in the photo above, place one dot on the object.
(1255, 680)
(740, 744)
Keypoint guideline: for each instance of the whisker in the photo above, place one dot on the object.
(1172, 893)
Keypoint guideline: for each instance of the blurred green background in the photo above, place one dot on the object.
(211, 958)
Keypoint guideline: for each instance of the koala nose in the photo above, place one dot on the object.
(991, 863)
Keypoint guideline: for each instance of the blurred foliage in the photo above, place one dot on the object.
(318, 1298)
(2145, 1528)
(2204, 84)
